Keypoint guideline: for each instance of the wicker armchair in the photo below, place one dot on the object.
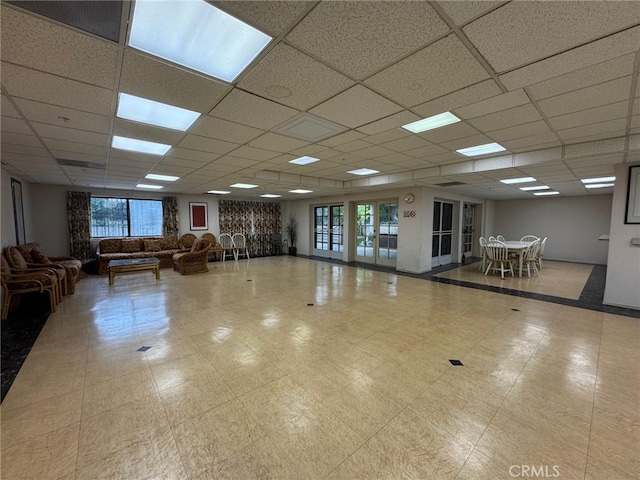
(34, 253)
(187, 240)
(194, 261)
(15, 284)
(215, 248)
(17, 264)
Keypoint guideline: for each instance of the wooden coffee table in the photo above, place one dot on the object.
(133, 265)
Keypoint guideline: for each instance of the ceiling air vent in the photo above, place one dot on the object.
(449, 184)
(309, 128)
(63, 162)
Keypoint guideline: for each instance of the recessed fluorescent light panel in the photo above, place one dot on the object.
(546, 193)
(162, 178)
(363, 171)
(599, 185)
(141, 146)
(149, 187)
(270, 195)
(300, 190)
(304, 160)
(243, 185)
(431, 123)
(197, 35)
(155, 113)
(218, 192)
(529, 189)
(598, 180)
(510, 181)
(481, 150)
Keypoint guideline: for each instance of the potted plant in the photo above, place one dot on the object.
(291, 229)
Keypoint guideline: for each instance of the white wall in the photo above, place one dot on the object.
(623, 267)
(8, 233)
(572, 225)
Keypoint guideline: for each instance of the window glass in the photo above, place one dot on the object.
(121, 217)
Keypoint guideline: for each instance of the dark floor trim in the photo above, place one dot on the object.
(590, 298)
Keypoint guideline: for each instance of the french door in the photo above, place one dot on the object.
(442, 233)
(376, 233)
(468, 217)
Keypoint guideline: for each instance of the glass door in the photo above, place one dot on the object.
(442, 233)
(377, 232)
(468, 216)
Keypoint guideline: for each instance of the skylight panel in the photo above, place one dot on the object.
(304, 160)
(510, 181)
(162, 178)
(598, 180)
(159, 114)
(363, 171)
(243, 185)
(529, 189)
(197, 35)
(149, 187)
(431, 123)
(141, 146)
(481, 150)
(300, 190)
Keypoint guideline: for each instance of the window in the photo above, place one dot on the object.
(329, 222)
(123, 217)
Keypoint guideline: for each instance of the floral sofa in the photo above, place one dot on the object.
(163, 248)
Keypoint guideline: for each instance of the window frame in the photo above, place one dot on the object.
(128, 219)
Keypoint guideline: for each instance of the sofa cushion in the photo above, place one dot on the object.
(39, 256)
(131, 245)
(25, 249)
(169, 243)
(111, 245)
(152, 245)
(15, 258)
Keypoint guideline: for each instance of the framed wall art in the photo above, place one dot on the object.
(198, 214)
(632, 212)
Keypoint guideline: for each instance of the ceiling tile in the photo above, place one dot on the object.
(407, 143)
(277, 143)
(254, 153)
(222, 130)
(590, 97)
(493, 104)
(149, 78)
(425, 152)
(183, 162)
(194, 142)
(43, 87)
(374, 152)
(36, 149)
(451, 67)
(351, 146)
(345, 137)
(528, 148)
(539, 156)
(248, 109)
(506, 118)
(274, 18)
(523, 32)
(519, 131)
(462, 12)
(594, 129)
(466, 142)
(592, 115)
(149, 133)
(575, 59)
(360, 38)
(194, 155)
(493, 163)
(7, 109)
(387, 136)
(463, 97)
(83, 157)
(63, 117)
(71, 135)
(529, 142)
(45, 46)
(596, 137)
(392, 121)
(15, 125)
(355, 107)
(450, 132)
(292, 78)
(237, 162)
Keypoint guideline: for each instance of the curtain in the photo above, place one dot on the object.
(256, 220)
(79, 213)
(170, 217)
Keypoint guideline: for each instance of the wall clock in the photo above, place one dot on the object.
(409, 198)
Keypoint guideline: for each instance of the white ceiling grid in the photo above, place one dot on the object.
(556, 83)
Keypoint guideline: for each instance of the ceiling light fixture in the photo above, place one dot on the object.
(270, 195)
(431, 123)
(529, 189)
(510, 181)
(546, 193)
(218, 192)
(149, 187)
(599, 185)
(304, 160)
(300, 190)
(363, 171)
(184, 33)
(162, 178)
(141, 146)
(159, 114)
(243, 185)
(598, 180)
(481, 150)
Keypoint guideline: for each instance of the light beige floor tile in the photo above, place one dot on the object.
(105, 368)
(208, 439)
(176, 372)
(481, 467)
(47, 457)
(619, 379)
(368, 463)
(601, 470)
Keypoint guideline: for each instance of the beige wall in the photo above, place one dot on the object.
(572, 225)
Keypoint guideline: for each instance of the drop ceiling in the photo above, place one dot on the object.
(555, 83)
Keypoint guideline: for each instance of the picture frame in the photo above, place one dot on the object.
(18, 211)
(199, 215)
(632, 211)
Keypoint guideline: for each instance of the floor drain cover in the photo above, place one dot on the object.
(456, 363)
(143, 349)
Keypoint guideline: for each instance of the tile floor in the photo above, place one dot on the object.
(245, 380)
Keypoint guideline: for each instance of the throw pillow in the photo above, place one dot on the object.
(39, 256)
(152, 245)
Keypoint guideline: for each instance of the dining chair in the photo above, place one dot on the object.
(500, 238)
(540, 253)
(492, 239)
(529, 239)
(498, 256)
(240, 244)
(226, 242)
(483, 245)
(531, 257)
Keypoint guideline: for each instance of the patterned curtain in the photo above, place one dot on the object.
(170, 217)
(79, 212)
(257, 220)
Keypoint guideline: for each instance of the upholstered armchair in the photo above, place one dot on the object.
(33, 253)
(15, 284)
(194, 261)
(18, 265)
(215, 247)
